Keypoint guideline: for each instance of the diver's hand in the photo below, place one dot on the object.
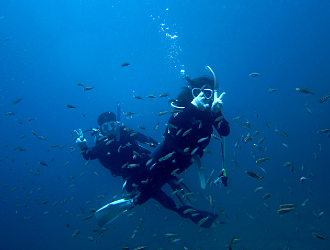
(217, 103)
(199, 103)
(81, 141)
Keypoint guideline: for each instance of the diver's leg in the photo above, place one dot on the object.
(199, 217)
(186, 197)
(165, 201)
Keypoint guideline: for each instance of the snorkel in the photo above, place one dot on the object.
(216, 88)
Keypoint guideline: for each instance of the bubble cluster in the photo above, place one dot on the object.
(170, 40)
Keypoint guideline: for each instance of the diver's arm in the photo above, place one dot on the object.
(145, 139)
(94, 152)
(223, 129)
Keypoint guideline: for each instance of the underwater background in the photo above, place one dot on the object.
(49, 46)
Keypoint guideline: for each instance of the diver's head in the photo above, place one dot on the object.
(108, 124)
(195, 87)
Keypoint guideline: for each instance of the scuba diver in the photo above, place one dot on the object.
(188, 133)
(117, 149)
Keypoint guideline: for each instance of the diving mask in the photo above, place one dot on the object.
(110, 127)
(207, 93)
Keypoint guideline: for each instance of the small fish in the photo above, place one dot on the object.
(308, 109)
(151, 96)
(177, 191)
(203, 139)
(250, 216)
(258, 188)
(260, 160)
(254, 175)
(305, 202)
(303, 90)
(284, 144)
(43, 163)
(17, 101)
(236, 163)
(287, 206)
(284, 210)
(70, 106)
(238, 117)
(261, 140)
(303, 180)
(30, 119)
(215, 137)
(186, 132)
(152, 166)
(205, 150)
(128, 113)
(211, 201)
(248, 139)
(170, 235)
(245, 125)
(220, 118)
(194, 151)
(87, 88)
(124, 64)
(175, 111)
(267, 196)
(171, 125)
(175, 240)
(263, 170)
(156, 127)
(133, 165)
(10, 113)
(162, 113)
(88, 217)
(174, 172)
(186, 149)
(254, 74)
(259, 147)
(166, 156)
(281, 132)
(268, 124)
(79, 84)
(319, 236)
(138, 97)
(272, 90)
(141, 127)
(323, 131)
(189, 210)
(325, 98)
(76, 233)
(164, 95)
(202, 221)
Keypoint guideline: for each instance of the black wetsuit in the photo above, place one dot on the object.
(187, 134)
(123, 156)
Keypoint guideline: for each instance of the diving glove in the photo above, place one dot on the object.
(81, 140)
(223, 178)
(200, 102)
(217, 103)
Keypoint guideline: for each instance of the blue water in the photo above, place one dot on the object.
(49, 46)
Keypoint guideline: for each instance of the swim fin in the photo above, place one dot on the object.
(113, 210)
(200, 171)
(200, 218)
